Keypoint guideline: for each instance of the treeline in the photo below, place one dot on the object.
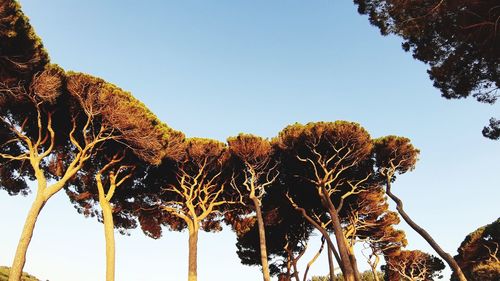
(117, 161)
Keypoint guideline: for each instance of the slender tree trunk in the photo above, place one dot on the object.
(262, 239)
(444, 255)
(373, 266)
(295, 271)
(314, 258)
(22, 247)
(345, 259)
(331, 267)
(193, 253)
(109, 235)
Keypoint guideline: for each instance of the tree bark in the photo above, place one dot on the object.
(444, 255)
(109, 235)
(262, 239)
(26, 235)
(331, 267)
(345, 259)
(354, 263)
(193, 252)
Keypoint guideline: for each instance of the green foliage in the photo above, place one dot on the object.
(479, 253)
(4, 275)
(460, 40)
(365, 276)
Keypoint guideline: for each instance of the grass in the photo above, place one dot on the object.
(4, 275)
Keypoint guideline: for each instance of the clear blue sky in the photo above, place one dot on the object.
(217, 68)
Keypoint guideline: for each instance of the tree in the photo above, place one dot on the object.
(396, 155)
(459, 40)
(254, 171)
(479, 253)
(373, 223)
(60, 124)
(416, 266)
(111, 177)
(287, 234)
(332, 161)
(198, 194)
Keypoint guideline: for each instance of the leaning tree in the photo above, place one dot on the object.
(459, 40)
(396, 155)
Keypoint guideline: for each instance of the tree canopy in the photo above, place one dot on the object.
(459, 40)
(479, 253)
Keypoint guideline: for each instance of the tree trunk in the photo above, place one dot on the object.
(262, 240)
(373, 266)
(314, 258)
(29, 225)
(193, 252)
(109, 235)
(354, 263)
(330, 264)
(444, 255)
(345, 259)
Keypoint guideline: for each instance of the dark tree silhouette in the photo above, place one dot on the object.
(459, 40)
(479, 253)
(287, 234)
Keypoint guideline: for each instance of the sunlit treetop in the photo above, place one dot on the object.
(395, 154)
(479, 253)
(148, 137)
(249, 148)
(349, 136)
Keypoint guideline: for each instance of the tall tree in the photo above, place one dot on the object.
(479, 253)
(254, 170)
(59, 124)
(199, 193)
(333, 159)
(396, 155)
(111, 176)
(459, 40)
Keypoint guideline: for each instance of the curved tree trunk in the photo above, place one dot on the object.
(314, 258)
(22, 247)
(330, 264)
(262, 240)
(444, 255)
(193, 253)
(109, 235)
(345, 258)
